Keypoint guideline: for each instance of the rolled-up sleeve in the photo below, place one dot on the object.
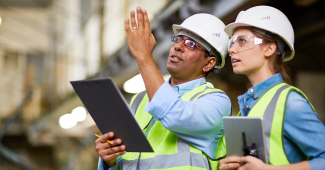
(101, 165)
(199, 122)
(303, 128)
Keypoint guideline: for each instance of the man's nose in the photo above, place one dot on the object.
(179, 46)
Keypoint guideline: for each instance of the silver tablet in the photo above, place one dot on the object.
(245, 136)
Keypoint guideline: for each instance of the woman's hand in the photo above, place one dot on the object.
(242, 163)
(251, 163)
(232, 162)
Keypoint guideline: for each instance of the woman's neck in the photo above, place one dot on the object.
(259, 76)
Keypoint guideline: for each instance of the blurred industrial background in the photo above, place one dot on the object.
(45, 44)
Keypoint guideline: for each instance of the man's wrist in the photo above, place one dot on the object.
(144, 58)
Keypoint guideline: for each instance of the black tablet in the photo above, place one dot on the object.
(111, 113)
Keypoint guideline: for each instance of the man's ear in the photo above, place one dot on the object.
(270, 49)
(210, 62)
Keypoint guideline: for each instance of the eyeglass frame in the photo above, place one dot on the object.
(255, 45)
(196, 44)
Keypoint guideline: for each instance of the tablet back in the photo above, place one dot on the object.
(252, 127)
(111, 113)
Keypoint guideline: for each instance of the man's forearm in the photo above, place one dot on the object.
(151, 75)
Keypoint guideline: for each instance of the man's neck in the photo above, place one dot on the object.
(175, 81)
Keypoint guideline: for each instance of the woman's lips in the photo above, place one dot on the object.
(234, 61)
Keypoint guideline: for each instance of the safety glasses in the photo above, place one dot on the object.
(243, 42)
(187, 42)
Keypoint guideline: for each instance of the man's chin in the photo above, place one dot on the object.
(172, 68)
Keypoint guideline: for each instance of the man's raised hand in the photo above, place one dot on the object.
(140, 39)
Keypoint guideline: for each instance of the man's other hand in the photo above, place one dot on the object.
(140, 39)
(109, 151)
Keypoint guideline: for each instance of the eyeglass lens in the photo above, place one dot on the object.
(187, 42)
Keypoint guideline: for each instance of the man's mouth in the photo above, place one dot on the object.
(174, 58)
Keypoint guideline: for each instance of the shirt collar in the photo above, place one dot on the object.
(260, 88)
(188, 86)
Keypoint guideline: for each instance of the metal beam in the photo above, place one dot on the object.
(13, 158)
(26, 3)
(4, 151)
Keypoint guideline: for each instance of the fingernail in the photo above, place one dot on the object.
(144, 10)
(122, 147)
(139, 8)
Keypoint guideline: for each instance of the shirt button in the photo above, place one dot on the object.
(242, 107)
(247, 106)
(252, 90)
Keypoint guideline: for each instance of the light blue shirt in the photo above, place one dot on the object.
(304, 133)
(198, 122)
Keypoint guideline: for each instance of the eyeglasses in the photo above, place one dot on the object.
(187, 42)
(243, 42)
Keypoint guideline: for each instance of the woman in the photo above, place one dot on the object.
(262, 38)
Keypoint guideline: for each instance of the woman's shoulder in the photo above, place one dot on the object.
(296, 102)
(295, 96)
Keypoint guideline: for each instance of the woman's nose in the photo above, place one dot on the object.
(231, 50)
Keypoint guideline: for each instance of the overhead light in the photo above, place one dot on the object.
(67, 121)
(136, 84)
(79, 113)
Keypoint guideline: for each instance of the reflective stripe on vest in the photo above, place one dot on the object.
(171, 152)
(182, 158)
(271, 106)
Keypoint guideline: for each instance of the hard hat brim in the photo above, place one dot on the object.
(230, 28)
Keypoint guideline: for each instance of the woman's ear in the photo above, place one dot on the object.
(211, 61)
(270, 50)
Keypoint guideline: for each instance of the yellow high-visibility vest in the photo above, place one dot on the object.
(271, 106)
(170, 151)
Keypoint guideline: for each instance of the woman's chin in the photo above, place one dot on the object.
(237, 71)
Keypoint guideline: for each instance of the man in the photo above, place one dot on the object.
(181, 118)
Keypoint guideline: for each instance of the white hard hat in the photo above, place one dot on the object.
(211, 30)
(269, 19)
